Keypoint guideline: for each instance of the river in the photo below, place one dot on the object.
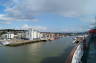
(42, 52)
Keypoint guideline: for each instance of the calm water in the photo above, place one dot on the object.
(43, 52)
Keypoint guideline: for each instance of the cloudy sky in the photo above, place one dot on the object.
(48, 15)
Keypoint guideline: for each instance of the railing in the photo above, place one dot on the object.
(76, 54)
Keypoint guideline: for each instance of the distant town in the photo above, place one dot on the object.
(21, 36)
(31, 34)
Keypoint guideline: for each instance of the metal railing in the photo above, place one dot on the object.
(76, 54)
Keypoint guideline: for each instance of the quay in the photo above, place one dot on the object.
(21, 42)
(16, 37)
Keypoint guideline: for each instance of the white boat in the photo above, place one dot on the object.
(4, 42)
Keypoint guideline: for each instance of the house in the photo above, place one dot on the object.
(32, 34)
(7, 36)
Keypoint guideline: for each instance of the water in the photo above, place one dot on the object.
(43, 52)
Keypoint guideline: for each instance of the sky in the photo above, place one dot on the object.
(48, 15)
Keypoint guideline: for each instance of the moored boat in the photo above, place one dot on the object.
(4, 42)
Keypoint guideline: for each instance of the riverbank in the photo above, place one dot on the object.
(14, 43)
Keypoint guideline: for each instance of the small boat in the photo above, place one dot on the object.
(75, 41)
(78, 39)
(4, 42)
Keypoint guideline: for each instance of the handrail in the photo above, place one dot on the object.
(69, 58)
(76, 54)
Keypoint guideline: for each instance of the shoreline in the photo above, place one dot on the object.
(14, 43)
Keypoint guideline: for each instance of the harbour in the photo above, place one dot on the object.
(55, 51)
(47, 31)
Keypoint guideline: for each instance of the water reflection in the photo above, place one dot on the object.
(35, 48)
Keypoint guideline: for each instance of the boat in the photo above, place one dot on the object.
(77, 39)
(4, 42)
(85, 50)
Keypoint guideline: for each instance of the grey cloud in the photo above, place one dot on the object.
(4, 17)
(26, 9)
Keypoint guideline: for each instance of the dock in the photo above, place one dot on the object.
(14, 43)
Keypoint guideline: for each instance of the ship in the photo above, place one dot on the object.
(84, 50)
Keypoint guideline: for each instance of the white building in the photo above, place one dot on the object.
(32, 34)
(7, 36)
